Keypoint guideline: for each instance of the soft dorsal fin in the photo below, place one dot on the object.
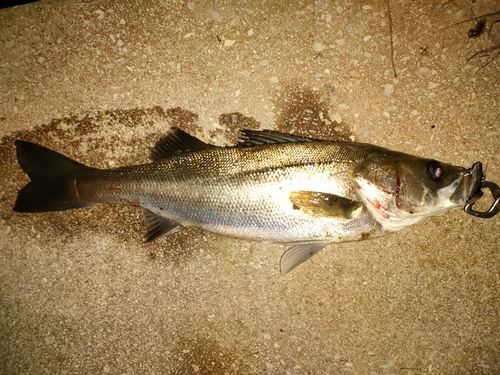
(251, 138)
(158, 226)
(177, 142)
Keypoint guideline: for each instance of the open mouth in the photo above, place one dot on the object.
(469, 186)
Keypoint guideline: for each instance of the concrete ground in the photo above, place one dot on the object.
(101, 81)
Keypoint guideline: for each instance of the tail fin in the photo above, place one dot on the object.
(53, 180)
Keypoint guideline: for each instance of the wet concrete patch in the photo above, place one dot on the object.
(303, 111)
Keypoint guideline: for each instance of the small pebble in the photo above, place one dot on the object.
(363, 133)
(100, 13)
(318, 47)
(388, 89)
(335, 117)
(388, 365)
(216, 16)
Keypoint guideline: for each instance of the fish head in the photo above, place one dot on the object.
(400, 189)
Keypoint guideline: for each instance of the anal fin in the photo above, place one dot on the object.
(298, 254)
(158, 226)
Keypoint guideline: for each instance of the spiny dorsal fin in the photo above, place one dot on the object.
(177, 142)
(251, 138)
(158, 226)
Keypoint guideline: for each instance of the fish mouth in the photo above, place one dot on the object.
(469, 184)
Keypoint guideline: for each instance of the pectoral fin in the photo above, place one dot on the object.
(158, 226)
(299, 254)
(324, 205)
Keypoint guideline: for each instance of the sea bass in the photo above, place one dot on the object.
(271, 187)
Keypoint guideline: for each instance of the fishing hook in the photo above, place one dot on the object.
(494, 208)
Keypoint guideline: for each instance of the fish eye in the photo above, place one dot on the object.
(435, 170)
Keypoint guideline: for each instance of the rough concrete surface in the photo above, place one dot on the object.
(101, 81)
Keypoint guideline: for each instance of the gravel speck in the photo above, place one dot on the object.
(100, 14)
(388, 89)
(216, 16)
(318, 47)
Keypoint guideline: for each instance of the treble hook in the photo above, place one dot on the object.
(494, 208)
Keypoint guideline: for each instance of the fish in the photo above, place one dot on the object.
(270, 187)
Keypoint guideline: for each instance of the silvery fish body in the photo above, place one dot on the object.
(272, 187)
